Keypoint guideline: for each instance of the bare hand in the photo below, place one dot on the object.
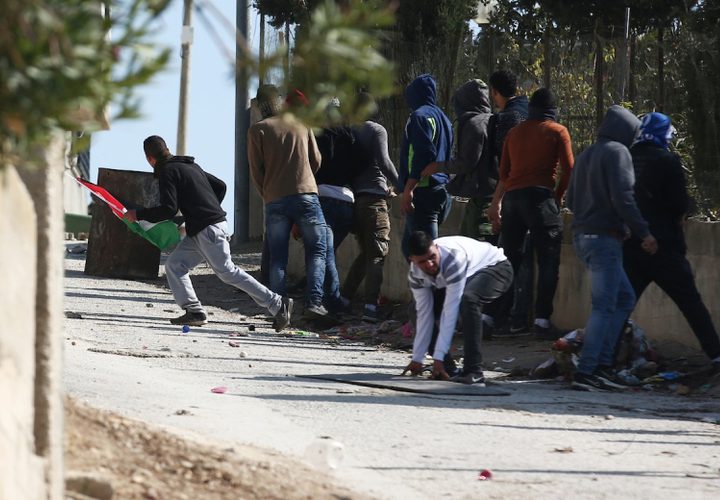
(414, 368)
(649, 244)
(438, 371)
(493, 214)
(130, 215)
(407, 206)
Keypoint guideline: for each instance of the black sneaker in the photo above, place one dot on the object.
(451, 368)
(583, 382)
(370, 314)
(551, 332)
(609, 377)
(477, 379)
(510, 331)
(190, 319)
(282, 318)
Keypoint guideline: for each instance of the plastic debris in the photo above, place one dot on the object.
(325, 453)
(185, 329)
(219, 390)
(407, 330)
(508, 360)
(485, 475)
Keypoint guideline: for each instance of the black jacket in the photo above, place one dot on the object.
(186, 187)
(339, 151)
(661, 194)
(514, 112)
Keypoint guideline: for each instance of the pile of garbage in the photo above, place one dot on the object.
(635, 360)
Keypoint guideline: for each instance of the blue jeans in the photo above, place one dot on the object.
(432, 206)
(339, 217)
(303, 210)
(613, 298)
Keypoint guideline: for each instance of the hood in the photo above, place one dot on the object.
(656, 128)
(421, 91)
(619, 125)
(518, 103)
(182, 159)
(472, 96)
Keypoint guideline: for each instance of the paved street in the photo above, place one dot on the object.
(541, 441)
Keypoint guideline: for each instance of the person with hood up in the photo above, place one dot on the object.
(428, 138)
(530, 189)
(603, 204)
(662, 197)
(186, 187)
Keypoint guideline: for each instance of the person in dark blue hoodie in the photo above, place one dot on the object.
(428, 138)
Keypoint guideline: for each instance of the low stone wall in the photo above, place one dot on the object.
(655, 312)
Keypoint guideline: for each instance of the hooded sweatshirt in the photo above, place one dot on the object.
(601, 187)
(428, 134)
(514, 112)
(186, 187)
(473, 159)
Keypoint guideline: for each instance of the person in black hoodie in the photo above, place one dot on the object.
(186, 187)
(663, 200)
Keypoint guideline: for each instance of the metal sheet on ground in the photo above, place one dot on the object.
(421, 385)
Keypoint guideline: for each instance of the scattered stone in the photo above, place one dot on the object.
(609, 417)
(566, 449)
(182, 412)
(151, 494)
(251, 328)
(682, 390)
(90, 485)
(234, 344)
(149, 305)
(243, 354)
(73, 315)
(72, 343)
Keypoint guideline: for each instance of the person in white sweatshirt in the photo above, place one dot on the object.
(473, 275)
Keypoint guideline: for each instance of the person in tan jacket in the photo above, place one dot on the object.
(283, 157)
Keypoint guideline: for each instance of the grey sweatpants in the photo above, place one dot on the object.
(212, 245)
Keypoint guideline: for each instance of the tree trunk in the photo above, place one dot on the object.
(661, 69)
(599, 76)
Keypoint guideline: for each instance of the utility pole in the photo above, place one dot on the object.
(186, 40)
(242, 123)
(261, 53)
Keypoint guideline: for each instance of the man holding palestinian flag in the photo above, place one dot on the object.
(186, 187)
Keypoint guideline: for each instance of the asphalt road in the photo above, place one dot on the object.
(543, 440)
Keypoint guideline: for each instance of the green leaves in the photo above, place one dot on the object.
(60, 70)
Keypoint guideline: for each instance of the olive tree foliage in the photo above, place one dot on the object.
(60, 69)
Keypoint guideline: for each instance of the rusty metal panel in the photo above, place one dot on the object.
(113, 250)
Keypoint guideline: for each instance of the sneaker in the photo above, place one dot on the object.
(583, 382)
(190, 319)
(370, 314)
(319, 314)
(282, 318)
(609, 377)
(477, 379)
(451, 368)
(551, 332)
(510, 331)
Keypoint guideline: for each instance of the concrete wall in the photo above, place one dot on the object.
(656, 313)
(21, 471)
(31, 266)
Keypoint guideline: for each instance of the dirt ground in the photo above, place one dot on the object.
(109, 456)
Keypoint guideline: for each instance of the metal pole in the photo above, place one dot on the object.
(242, 123)
(261, 53)
(186, 40)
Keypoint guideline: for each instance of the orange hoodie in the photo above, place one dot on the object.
(531, 154)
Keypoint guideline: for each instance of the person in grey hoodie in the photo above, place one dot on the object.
(601, 198)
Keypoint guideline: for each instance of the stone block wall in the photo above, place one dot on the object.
(655, 312)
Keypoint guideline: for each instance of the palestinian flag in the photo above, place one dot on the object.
(161, 234)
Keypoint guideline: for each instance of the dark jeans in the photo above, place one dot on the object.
(672, 273)
(432, 206)
(481, 294)
(372, 231)
(522, 291)
(534, 209)
(482, 290)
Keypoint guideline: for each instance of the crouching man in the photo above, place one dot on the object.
(473, 274)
